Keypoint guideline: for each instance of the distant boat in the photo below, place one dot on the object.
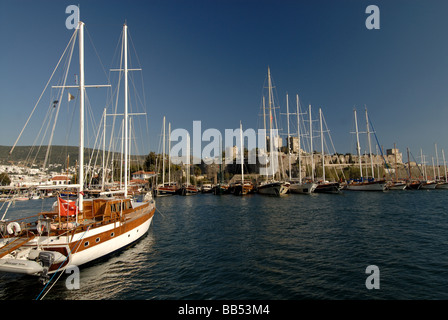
(166, 188)
(365, 184)
(428, 185)
(413, 184)
(206, 188)
(243, 187)
(272, 186)
(328, 187)
(442, 183)
(304, 187)
(221, 188)
(396, 185)
(299, 186)
(324, 186)
(188, 190)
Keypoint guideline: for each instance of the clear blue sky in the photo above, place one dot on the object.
(208, 60)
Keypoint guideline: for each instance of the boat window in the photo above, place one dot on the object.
(86, 243)
(97, 240)
(112, 234)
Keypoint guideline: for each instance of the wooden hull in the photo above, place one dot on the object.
(188, 191)
(219, 190)
(415, 185)
(165, 191)
(82, 244)
(379, 185)
(331, 187)
(240, 190)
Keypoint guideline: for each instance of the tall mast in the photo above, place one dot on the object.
(125, 44)
(423, 161)
(433, 169)
(409, 165)
(81, 115)
(444, 165)
(271, 142)
(437, 160)
(242, 156)
(298, 138)
(289, 142)
(163, 154)
(169, 153)
(311, 144)
(358, 148)
(322, 144)
(122, 153)
(264, 115)
(104, 150)
(395, 154)
(370, 145)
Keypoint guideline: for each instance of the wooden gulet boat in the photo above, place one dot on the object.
(75, 232)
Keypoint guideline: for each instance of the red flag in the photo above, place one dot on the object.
(67, 208)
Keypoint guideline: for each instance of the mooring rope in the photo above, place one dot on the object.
(76, 246)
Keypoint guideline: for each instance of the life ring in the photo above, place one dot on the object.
(13, 227)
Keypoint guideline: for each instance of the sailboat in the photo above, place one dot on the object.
(300, 186)
(363, 184)
(76, 232)
(411, 184)
(271, 186)
(166, 188)
(221, 187)
(243, 187)
(396, 184)
(324, 186)
(187, 188)
(443, 183)
(426, 184)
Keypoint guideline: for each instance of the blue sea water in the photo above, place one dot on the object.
(255, 247)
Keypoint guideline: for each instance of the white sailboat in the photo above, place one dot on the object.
(76, 232)
(426, 183)
(443, 183)
(300, 186)
(363, 184)
(166, 188)
(244, 187)
(325, 186)
(272, 186)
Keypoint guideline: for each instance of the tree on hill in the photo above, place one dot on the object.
(4, 179)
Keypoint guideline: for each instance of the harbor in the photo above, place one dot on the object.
(223, 151)
(255, 247)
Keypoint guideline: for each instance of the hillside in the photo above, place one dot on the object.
(58, 155)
